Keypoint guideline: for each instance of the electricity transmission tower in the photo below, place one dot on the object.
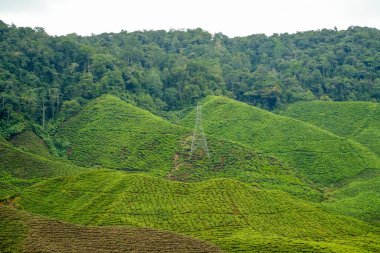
(199, 138)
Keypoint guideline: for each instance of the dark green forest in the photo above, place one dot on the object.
(45, 78)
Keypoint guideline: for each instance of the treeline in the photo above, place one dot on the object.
(42, 75)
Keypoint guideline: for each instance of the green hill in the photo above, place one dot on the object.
(23, 232)
(324, 157)
(30, 142)
(359, 121)
(114, 134)
(231, 214)
(358, 197)
(21, 164)
(19, 169)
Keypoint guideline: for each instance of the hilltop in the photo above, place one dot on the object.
(359, 121)
(45, 76)
(321, 155)
(111, 133)
(96, 131)
(223, 211)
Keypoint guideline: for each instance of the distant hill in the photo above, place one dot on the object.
(231, 214)
(359, 121)
(43, 76)
(111, 133)
(116, 176)
(23, 232)
(321, 155)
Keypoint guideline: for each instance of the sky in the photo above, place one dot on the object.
(230, 17)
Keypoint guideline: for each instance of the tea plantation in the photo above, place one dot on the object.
(127, 184)
(215, 210)
(322, 156)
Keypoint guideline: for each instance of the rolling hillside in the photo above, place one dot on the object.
(152, 194)
(114, 134)
(84, 171)
(324, 157)
(20, 169)
(231, 214)
(359, 121)
(20, 231)
(358, 197)
(25, 165)
(30, 142)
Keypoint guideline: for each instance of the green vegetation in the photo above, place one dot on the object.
(359, 197)
(359, 121)
(21, 164)
(231, 214)
(111, 133)
(72, 101)
(30, 142)
(115, 134)
(13, 230)
(45, 77)
(322, 156)
(235, 200)
(20, 231)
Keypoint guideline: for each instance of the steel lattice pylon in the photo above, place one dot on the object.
(199, 138)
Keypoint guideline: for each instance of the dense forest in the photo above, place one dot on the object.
(45, 77)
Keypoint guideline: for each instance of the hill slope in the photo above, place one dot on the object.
(30, 142)
(20, 169)
(359, 121)
(228, 213)
(358, 197)
(21, 164)
(114, 134)
(324, 157)
(22, 232)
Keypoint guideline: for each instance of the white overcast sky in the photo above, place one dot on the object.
(231, 17)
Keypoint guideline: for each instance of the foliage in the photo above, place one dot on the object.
(322, 156)
(40, 75)
(359, 121)
(21, 164)
(111, 133)
(30, 142)
(31, 233)
(13, 231)
(52, 102)
(223, 211)
(358, 197)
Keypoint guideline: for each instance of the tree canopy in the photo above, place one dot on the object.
(40, 75)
